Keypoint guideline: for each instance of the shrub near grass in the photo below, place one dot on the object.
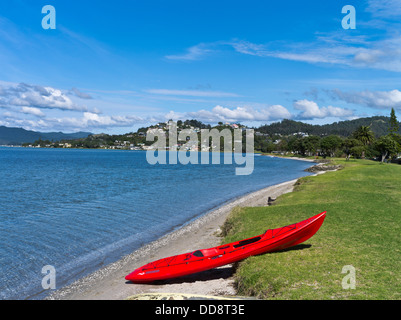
(362, 230)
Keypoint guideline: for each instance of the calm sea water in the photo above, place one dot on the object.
(78, 210)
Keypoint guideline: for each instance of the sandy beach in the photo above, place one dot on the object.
(108, 283)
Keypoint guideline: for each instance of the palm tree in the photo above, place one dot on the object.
(365, 135)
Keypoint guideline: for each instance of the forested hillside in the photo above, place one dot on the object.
(379, 126)
(18, 136)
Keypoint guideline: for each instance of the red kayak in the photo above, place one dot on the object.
(205, 259)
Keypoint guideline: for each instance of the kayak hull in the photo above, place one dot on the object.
(205, 259)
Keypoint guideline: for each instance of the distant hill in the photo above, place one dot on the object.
(379, 126)
(18, 136)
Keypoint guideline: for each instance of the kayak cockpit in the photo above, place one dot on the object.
(198, 254)
(205, 253)
(213, 251)
(247, 241)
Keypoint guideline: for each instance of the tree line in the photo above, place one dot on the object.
(360, 143)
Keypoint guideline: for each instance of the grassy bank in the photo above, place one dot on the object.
(362, 229)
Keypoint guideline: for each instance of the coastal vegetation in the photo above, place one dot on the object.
(361, 231)
(373, 138)
(362, 142)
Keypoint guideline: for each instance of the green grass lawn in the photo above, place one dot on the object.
(362, 229)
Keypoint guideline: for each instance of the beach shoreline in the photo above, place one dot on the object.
(108, 283)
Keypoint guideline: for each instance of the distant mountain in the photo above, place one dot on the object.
(18, 136)
(379, 126)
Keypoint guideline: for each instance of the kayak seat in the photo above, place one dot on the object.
(247, 241)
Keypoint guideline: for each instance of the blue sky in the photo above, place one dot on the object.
(116, 66)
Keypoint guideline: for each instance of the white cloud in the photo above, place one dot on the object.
(372, 99)
(225, 114)
(310, 110)
(34, 111)
(384, 54)
(369, 49)
(384, 8)
(250, 48)
(88, 121)
(246, 113)
(333, 48)
(35, 96)
(80, 94)
(193, 53)
(173, 115)
(92, 120)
